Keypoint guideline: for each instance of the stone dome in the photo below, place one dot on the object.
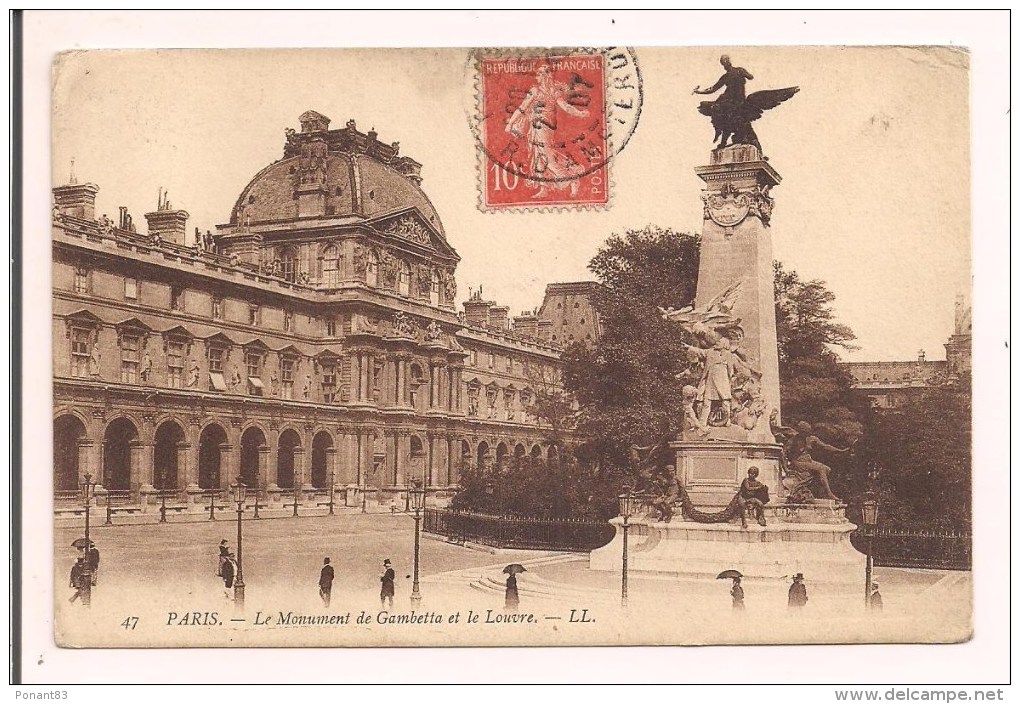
(347, 175)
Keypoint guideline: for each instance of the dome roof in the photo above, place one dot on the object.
(356, 175)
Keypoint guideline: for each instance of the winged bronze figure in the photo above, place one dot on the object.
(733, 111)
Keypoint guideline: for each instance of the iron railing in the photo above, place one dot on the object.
(916, 548)
(518, 532)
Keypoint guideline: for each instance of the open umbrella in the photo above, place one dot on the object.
(81, 543)
(729, 574)
(514, 569)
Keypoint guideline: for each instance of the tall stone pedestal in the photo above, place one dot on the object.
(712, 470)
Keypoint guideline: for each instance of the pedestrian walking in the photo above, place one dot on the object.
(797, 597)
(326, 581)
(512, 599)
(92, 562)
(387, 579)
(224, 551)
(78, 582)
(228, 570)
(875, 601)
(737, 592)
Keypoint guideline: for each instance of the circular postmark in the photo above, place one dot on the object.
(548, 122)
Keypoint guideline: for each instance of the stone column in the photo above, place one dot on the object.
(391, 473)
(355, 382)
(273, 471)
(400, 382)
(135, 468)
(264, 452)
(185, 467)
(300, 475)
(226, 466)
(332, 476)
(86, 448)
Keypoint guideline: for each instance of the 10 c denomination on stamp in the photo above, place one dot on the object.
(546, 127)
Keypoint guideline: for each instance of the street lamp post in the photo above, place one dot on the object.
(87, 492)
(417, 498)
(331, 489)
(627, 503)
(869, 511)
(240, 493)
(255, 515)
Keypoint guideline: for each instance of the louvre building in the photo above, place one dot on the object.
(311, 340)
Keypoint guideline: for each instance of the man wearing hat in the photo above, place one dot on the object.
(798, 592)
(326, 581)
(387, 579)
(875, 600)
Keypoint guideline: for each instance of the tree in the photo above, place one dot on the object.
(626, 384)
(923, 454)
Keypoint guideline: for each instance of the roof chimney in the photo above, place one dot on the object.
(499, 317)
(167, 223)
(76, 200)
(476, 311)
(526, 324)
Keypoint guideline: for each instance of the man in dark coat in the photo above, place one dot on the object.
(92, 562)
(228, 574)
(326, 581)
(513, 599)
(798, 592)
(79, 582)
(387, 579)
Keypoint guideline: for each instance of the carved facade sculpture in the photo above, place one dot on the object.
(433, 333)
(403, 325)
(360, 260)
(409, 228)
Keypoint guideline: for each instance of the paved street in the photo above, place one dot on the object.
(159, 573)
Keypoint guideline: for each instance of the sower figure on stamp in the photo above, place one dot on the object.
(326, 575)
(387, 591)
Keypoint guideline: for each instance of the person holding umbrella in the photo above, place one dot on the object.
(737, 592)
(512, 599)
(78, 582)
(92, 561)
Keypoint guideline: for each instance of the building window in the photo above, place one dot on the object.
(331, 266)
(80, 339)
(217, 308)
(434, 296)
(130, 287)
(492, 361)
(288, 264)
(176, 298)
(253, 362)
(287, 377)
(372, 270)
(508, 404)
(509, 363)
(129, 358)
(328, 383)
(404, 280)
(175, 364)
(81, 279)
(490, 399)
(288, 321)
(216, 358)
(330, 327)
(472, 358)
(253, 315)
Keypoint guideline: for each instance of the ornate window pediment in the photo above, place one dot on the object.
(82, 319)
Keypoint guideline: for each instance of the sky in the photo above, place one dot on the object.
(873, 152)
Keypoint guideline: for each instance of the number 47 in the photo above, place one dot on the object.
(129, 623)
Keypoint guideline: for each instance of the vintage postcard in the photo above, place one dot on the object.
(511, 347)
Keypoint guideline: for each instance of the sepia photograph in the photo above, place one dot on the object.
(510, 347)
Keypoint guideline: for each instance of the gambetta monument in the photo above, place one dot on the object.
(736, 488)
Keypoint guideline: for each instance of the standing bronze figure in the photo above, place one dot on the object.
(733, 112)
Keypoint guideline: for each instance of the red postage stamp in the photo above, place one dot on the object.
(543, 131)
